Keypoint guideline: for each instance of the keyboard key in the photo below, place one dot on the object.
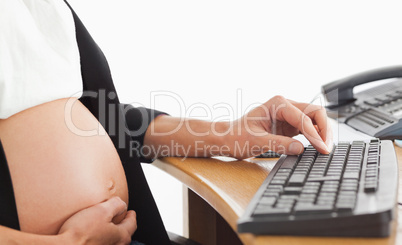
(312, 208)
(280, 177)
(310, 190)
(351, 175)
(297, 179)
(289, 196)
(271, 194)
(348, 188)
(371, 184)
(284, 171)
(285, 203)
(346, 194)
(324, 178)
(278, 181)
(345, 206)
(370, 188)
(268, 200)
(307, 198)
(289, 162)
(292, 190)
(261, 210)
(371, 173)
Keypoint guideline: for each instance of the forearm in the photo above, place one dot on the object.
(15, 237)
(270, 126)
(171, 136)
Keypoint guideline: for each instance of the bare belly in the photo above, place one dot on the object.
(61, 161)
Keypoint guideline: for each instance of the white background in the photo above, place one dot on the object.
(236, 52)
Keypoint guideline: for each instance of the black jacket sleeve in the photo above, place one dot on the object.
(138, 120)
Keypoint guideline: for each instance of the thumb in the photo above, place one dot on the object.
(295, 148)
(285, 145)
(114, 207)
(129, 223)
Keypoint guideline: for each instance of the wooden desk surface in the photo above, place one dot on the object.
(228, 185)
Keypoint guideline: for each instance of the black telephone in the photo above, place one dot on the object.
(376, 111)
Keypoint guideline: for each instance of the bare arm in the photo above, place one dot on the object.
(270, 126)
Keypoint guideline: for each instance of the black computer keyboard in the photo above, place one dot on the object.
(350, 192)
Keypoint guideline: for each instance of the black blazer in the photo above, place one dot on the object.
(126, 127)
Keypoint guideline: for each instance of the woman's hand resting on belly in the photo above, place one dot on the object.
(55, 170)
(101, 230)
(92, 225)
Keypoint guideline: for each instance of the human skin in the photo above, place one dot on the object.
(90, 226)
(269, 126)
(57, 172)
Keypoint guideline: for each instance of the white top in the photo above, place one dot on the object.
(39, 57)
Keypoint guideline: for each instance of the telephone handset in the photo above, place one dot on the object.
(376, 111)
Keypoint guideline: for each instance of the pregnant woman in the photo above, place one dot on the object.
(68, 142)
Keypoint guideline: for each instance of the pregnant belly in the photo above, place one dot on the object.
(61, 161)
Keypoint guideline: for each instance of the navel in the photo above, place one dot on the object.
(111, 186)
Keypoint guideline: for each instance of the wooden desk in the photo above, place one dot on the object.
(228, 186)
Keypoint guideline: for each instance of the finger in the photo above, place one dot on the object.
(319, 115)
(114, 207)
(289, 130)
(301, 121)
(129, 223)
(330, 137)
(282, 144)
